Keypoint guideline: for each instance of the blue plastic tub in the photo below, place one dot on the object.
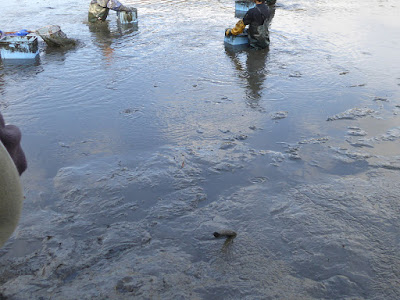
(19, 46)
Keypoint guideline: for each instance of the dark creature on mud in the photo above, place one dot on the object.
(225, 233)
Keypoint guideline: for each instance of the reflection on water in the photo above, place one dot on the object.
(105, 37)
(22, 69)
(253, 71)
(20, 63)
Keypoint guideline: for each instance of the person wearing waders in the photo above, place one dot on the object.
(98, 9)
(258, 20)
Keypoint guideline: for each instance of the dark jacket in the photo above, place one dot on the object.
(256, 15)
(258, 20)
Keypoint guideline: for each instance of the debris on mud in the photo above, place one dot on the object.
(319, 140)
(293, 152)
(352, 114)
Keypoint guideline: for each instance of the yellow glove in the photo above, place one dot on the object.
(239, 28)
(228, 32)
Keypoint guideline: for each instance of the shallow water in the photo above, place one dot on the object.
(142, 141)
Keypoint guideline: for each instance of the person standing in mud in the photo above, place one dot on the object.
(258, 19)
(98, 9)
(12, 164)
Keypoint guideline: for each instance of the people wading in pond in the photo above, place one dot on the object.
(12, 164)
(258, 19)
(98, 9)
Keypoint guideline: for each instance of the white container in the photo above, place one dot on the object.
(237, 40)
(125, 17)
(19, 47)
(243, 5)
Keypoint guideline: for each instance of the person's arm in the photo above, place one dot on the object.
(117, 6)
(247, 18)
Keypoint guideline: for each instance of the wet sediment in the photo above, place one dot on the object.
(293, 151)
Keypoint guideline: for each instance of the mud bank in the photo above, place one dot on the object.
(336, 236)
(144, 142)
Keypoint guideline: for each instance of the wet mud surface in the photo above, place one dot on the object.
(138, 154)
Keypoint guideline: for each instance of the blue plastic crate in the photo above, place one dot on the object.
(237, 40)
(19, 47)
(243, 5)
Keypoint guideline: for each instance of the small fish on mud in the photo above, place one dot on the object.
(225, 233)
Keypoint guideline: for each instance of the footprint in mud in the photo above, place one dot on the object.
(227, 145)
(128, 285)
(224, 130)
(64, 145)
(360, 144)
(356, 131)
(381, 99)
(129, 111)
(240, 137)
(296, 75)
(259, 179)
(3, 105)
(358, 85)
(279, 115)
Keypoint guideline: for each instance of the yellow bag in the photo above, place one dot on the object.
(239, 28)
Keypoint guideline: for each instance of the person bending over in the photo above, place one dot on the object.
(258, 20)
(98, 9)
